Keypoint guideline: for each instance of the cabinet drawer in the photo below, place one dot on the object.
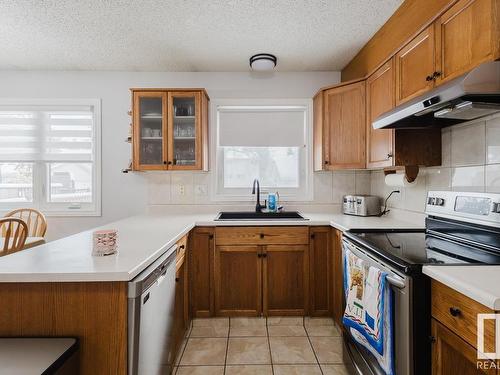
(459, 313)
(262, 235)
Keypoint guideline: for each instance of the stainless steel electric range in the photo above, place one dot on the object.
(461, 228)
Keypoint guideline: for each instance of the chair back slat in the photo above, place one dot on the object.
(34, 219)
(15, 232)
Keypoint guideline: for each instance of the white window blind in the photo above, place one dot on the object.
(45, 133)
(267, 142)
(262, 126)
(50, 155)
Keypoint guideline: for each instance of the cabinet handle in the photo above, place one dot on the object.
(264, 255)
(436, 75)
(262, 235)
(429, 78)
(259, 255)
(455, 311)
(181, 247)
(389, 155)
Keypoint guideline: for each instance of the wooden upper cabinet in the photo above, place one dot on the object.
(379, 99)
(415, 66)
(339, 126)
(466, 35)
(170, 129)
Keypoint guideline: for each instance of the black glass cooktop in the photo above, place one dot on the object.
(419, 248)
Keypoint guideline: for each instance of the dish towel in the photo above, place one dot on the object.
(368, 312)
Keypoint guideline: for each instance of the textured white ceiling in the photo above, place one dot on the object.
(185, 35)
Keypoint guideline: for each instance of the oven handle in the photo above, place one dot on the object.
(396, 282)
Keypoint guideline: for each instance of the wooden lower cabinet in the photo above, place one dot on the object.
(201, 271)
(338, 278)
(238, 279)
(451, 355)
(285, 280)
(320, 271)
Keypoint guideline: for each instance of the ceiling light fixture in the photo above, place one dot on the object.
(263, 62)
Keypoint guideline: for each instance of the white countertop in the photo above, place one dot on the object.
(31, 356)
(141, 240)
(481, 283)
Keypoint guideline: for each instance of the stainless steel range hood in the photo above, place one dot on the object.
(473, 95)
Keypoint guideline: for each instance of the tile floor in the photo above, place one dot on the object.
(262, 346)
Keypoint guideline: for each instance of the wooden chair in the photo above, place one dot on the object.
(14, 233)
(34, 219)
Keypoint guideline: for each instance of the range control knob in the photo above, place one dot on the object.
(496, 208)
(439, 202)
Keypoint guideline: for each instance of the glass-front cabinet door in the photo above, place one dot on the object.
(184, 130)
(150, 126)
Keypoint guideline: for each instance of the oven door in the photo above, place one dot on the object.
(363, 361)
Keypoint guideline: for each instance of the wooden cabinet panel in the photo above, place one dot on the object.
(338, 277)
(320, 274)
(344, 116)
(459, 313)
(415, 66)
(95, 312)
(465, 37)
(321, 146)
(179, 321)
(285, 280)
(149, 123)
(380, 98)
(201, 263)
(452, 355)
(238, 280)
(262, 235)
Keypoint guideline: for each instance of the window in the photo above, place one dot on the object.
(268, 141)
(50, 156)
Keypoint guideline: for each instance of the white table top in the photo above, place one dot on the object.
(481, 283)
(31, 356)
(141, 240)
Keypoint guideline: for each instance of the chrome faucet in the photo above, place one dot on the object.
(258, 206)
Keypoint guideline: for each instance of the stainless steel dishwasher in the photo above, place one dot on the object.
(151, 299)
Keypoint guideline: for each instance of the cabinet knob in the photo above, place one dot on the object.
(436, 75)
(389, 155)
(432, 339)
(455, 311)
(176, 279)
(164, 162)
(211, 236)
(181, 247)
(262, 235)
(259, 255)
(169, 162)
(429, 78)
(264, 255)
(312, 236)
(326, 162)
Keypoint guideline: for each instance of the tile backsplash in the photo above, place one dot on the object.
(470, 162)
(180, 188)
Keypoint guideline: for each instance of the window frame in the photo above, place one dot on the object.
(41, 168)
(304, 194)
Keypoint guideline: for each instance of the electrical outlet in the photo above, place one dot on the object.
(182, 189)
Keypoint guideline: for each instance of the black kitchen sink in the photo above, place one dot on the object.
(252, 215)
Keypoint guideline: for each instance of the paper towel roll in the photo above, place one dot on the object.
(398, 180)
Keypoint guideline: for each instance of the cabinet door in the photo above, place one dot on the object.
(201, 258)
(338, 278)
(184, 131)
(380, 96)
(320, 274)
(150, 127)
(345, 119)
(452, 355)
(238, 275)
(285, 280)
(179, 327)
(465, 37)
(415, 66)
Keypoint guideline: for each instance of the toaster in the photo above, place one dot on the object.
(361, 205)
